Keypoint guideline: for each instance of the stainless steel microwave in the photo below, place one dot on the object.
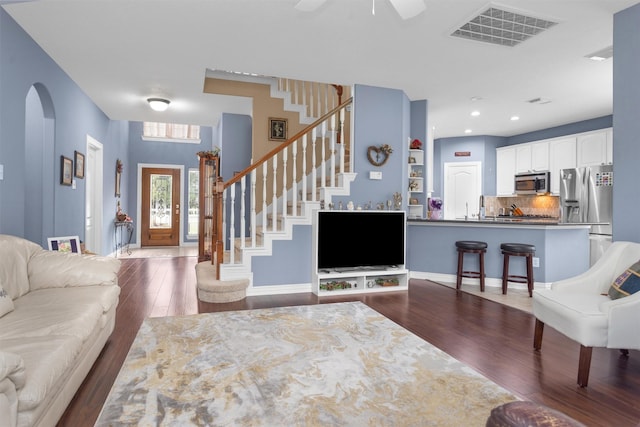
(532, 183)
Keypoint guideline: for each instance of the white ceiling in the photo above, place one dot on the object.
(122, 51)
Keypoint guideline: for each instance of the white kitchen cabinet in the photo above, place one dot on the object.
(540, 156)
(562, 155)
(592, 149)
(523, 158)
(610, 146)
(505, 170)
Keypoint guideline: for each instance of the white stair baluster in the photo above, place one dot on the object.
(253, 209)
(323, 161)
(224, 225)
(294, 174)
(232, 224)
(274, 195)
(342, 141)
(304, 167)
(264, 197)
(314, 178)
(285, 208)
(243, 221)
(333, 151)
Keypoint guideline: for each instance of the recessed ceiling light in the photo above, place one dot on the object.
(475, 113)
(514, 118)
(601, 55)
(467, 131)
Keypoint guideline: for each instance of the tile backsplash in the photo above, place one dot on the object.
(530, 205)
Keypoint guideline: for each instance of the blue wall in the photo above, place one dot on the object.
(381, 116)
(483, 149)
(568, 129)
(70, 116)
(161, 153)
(626, 124)
(236, 139)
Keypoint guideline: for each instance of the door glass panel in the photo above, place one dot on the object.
(160, 210)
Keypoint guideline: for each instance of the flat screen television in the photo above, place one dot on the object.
(357, 239)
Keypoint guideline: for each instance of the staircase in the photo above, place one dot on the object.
(263, 203)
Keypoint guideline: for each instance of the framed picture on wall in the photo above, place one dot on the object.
(79, 165)
(68, 244)
(66, 170)
(277, 129)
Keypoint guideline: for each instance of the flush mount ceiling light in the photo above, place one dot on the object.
(475, 113)
(158, 104)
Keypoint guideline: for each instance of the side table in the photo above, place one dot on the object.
(122, 236)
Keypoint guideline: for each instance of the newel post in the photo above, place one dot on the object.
(217, 244)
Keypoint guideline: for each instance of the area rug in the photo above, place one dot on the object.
(340, 364)
(515, 297)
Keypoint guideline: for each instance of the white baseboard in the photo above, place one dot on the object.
(494, 282)
(278, 289)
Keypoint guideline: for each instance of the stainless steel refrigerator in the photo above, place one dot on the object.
(586, 196)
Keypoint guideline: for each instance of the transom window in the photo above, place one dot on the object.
(173, 132)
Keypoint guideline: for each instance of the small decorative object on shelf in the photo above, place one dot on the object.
(387, 281)
(413, 185)
(211, 153)
(335, 285)
(435, 208)
(378, 156)
(120, 215)
(416, 144)
(397, 200)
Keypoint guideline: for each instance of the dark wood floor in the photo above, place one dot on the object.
(494, 339)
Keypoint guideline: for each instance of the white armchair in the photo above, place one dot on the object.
(580, 308)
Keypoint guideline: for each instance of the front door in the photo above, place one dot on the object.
(160, 222)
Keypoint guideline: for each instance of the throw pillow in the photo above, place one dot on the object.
(627, 283)
(6, 303)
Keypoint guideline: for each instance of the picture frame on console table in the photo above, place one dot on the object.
(66, 244)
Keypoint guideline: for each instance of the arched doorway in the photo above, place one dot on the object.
(39, 131)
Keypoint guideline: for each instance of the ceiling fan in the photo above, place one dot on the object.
(405, 8)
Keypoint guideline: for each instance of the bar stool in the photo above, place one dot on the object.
(470, 247)
(517, 249)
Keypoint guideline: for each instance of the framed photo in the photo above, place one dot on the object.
(66, 170)
(79, 165)
(67, 244)
(277, 129)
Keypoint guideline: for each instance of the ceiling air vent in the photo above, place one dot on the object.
(502, 27)
(539, 101)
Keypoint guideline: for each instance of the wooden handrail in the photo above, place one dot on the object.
(285, 144)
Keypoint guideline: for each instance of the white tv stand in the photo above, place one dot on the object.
(357, 279)
(361, 280)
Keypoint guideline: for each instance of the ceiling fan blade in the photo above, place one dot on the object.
(309, 5)
(408, 8)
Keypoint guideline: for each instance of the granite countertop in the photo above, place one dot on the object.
(505, 221)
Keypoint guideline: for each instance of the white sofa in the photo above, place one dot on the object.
(56, 313)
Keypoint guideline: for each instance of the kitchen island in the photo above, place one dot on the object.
(562, 249)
